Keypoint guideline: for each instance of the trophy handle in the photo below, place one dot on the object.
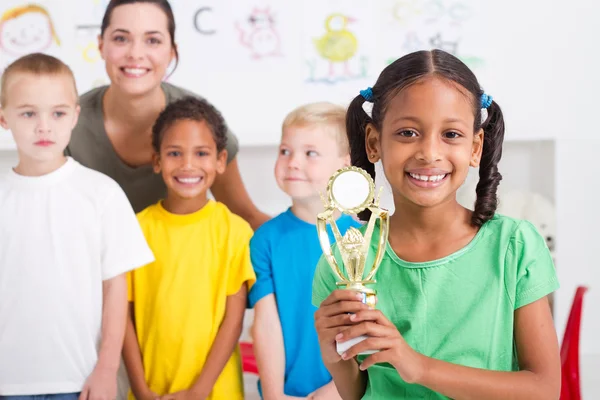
(383, 234)
(322, 219)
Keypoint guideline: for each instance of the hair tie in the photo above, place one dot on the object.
(367, 94)
(486, 100)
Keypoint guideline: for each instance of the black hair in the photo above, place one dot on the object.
(193, 109)
(164, 5)
(406, 71)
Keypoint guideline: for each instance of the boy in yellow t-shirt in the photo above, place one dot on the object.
(187, 307)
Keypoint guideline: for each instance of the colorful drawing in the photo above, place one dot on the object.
(89, 64)
(88, 44)
(457, 13)
(406, 10)
(449, 46)
(26, 29)
(338, 44)
(260, 35)
(433, 24)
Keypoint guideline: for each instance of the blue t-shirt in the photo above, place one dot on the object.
(284, 253)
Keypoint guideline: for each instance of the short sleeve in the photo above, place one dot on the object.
(124, 246)
(535, 273)
(260, 255)
(241, 268)
(324, 281)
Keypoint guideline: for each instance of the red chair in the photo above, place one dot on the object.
(248, 359)
(569, 351)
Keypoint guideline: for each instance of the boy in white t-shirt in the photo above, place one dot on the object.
(67, 237)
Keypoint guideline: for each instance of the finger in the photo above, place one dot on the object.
(340, 295)
(371, 315)
(84, 393)
(334, 321)
(369, 344)
(342, 307)
(367, 328)
(376, 358)
(329, 336)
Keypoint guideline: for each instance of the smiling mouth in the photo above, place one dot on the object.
(428, 178)
(22, 44)
(189, 180)
(135, 72)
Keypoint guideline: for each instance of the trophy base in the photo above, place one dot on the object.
(369, 295)
(370, 299)
(343, 347)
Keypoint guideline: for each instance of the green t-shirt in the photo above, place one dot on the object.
(460, 308)
(91, 147)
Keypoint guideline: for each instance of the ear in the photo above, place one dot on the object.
(372, 143)
(3, 122)
(221, 161)
(477, 148)
(156, 162)
(100, 46)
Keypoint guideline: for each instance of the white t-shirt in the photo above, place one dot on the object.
(61, 235)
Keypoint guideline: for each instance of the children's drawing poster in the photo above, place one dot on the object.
(32, 27)
(339, 44)
(454, 26)
(243, 56)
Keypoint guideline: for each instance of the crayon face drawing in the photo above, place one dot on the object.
(26, 29)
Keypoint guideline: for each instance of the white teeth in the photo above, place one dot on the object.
(428, 178)
(135, 71)
(189, 180)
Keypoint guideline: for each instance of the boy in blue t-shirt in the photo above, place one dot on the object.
(285, 251)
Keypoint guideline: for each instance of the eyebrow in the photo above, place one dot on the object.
(415, 119)
(33, 106)
(146, 33)
(177, 146)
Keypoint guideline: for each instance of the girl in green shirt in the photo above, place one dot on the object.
(462, 308)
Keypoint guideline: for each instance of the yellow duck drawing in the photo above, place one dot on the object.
(338, 44)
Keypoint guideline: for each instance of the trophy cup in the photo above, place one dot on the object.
(352, 190)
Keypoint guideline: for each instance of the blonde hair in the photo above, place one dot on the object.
(36, 64)
(327, 114)
(16, 12)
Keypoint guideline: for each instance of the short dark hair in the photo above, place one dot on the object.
(193, 109)
(408, 70)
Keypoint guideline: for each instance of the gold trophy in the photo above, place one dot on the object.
(352, 190)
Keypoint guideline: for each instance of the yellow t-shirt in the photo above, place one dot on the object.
(179, 300)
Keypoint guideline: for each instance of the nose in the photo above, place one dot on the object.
(188, 161)
(295, 161)
(429, 149)
(43, 125)
(135, 50)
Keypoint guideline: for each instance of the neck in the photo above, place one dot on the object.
(29, 167)
(308, 209)
(182, 206)
(419, 224)
(133, 110)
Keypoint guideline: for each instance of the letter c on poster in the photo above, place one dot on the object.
(198, 24)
